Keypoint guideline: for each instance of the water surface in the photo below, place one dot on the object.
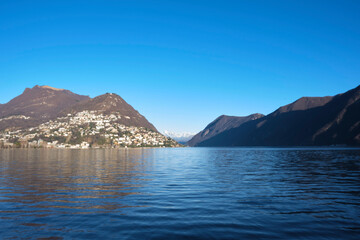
(194, 193)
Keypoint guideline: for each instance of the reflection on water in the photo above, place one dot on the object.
(68, 179)
(179, 193)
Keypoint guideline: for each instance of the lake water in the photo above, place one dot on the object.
(193, 193)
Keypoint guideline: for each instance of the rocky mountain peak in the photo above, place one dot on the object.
(50, 88)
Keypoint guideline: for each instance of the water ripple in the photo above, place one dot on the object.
(194, 193)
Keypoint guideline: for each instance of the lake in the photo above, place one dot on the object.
(180, 193)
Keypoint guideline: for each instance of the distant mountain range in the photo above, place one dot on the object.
(179, 137)
(309, 121)
(43, 103)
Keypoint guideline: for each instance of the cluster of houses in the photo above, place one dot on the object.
(83, 130)
(14, 117)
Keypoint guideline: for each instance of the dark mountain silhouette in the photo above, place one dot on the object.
(304, 103)
(306, 122)
(38, 104)
(112, 103)
(219, 125)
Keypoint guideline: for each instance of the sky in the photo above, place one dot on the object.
(182, 63)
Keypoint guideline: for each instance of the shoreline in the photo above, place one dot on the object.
(77, 148)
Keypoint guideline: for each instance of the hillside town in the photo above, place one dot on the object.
(85, 129)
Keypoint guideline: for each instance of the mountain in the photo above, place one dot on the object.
(36, 105)
(43, 103)
(304, 103)
(179, 137)
(110, 103)
(306, 122)
(56, 118)
(219, 125)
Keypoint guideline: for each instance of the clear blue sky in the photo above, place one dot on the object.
(182, 63)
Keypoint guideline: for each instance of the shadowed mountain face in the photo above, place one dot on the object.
(303, 103)
(220, 125)
(306, 122)
(36, 105)
(43, 103)
(112, 103)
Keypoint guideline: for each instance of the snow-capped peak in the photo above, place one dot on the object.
(179, 137)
